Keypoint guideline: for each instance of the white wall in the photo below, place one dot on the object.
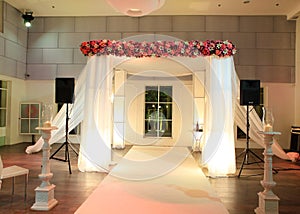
(182, 113)
(17, 93)
(40, 91)
(280, 98)
(25, 91)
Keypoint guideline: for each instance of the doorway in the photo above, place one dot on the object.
(174, 127)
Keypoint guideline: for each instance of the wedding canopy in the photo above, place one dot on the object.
(93, 103)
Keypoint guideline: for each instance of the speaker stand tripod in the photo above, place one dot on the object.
(66, 144)
(247, 150)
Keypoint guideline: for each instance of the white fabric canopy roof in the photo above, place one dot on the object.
(93, 108)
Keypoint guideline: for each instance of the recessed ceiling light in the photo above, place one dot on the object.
(134, 12)
(136, 8)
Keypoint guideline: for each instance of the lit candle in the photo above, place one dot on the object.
(268, 128)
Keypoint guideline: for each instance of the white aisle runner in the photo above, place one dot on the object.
(152, 180)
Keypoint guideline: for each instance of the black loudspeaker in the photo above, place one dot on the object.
(64, 90)
(249, 92)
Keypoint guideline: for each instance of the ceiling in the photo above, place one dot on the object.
(43, 8)
(154, 64)
(40, 8)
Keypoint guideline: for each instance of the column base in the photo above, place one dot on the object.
(44, 198)
(268, 204)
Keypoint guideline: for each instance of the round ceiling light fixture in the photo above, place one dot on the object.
(136, 8)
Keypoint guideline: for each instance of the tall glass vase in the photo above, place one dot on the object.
(267, 119)
(47, 115)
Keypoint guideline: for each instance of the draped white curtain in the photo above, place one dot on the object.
(96, 128)
(75, 115)
(218, 153)
(93, 108)
(255, 126)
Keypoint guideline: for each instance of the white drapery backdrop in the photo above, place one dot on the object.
(96, 127)
(218, 154)
(255, 126)
(93, 108)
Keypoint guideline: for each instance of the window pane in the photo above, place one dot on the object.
(151, 128)
(25, 110)
(3, 94)
(3, 84)
(150, 111)
(33, 124)
(151, 94)
(165, 94)
(166, 111)
(2, 140)
(261, 96)
(34, 111)
(158, 111)
(2, 117)
(166, 129)
(24, 126)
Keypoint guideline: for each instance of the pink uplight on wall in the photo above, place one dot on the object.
(136, 8)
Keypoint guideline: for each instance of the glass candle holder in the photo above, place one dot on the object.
(267, 119)
(47, 115)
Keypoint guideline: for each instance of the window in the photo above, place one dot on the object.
(29, 118)
(3, 103)
(158, 111)
(1, 16)
(3, 110)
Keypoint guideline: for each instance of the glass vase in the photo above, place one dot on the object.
(47, 115)
(267, 119)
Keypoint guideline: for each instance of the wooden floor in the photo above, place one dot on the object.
(238, 194)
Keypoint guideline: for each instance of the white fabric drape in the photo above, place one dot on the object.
(92, 96)
(93, 108)
(218, 153)
(75, 115)
(255, 126)
(96, 128)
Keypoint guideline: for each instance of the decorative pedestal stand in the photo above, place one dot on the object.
(268, 201)
(44, 194)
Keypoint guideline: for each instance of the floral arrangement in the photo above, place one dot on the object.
(158, 49)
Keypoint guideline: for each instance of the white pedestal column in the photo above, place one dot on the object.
(44, 194)
(268, 201)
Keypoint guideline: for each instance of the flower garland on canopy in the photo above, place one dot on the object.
(158, 49)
